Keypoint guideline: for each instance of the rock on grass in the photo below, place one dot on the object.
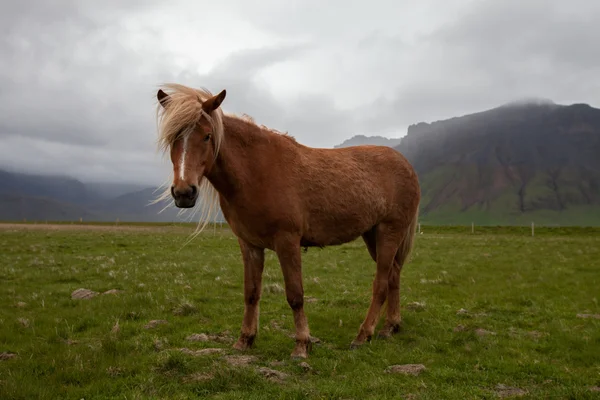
(222, 337)
(407, 369)
(7, 356)
(272, 374)
(238, 361)
(201, 352)
(197, 337)
(82, 293)
(113, 291)
(155, 322)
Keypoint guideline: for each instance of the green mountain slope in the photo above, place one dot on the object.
(510, 165)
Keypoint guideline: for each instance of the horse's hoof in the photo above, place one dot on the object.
(301, 350)
(243, 343)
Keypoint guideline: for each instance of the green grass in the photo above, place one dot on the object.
(527, 290)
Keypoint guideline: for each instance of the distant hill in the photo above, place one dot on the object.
(55, 198)
(521, 162)
(360, 140)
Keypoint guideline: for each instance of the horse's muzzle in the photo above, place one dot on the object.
(185, 196)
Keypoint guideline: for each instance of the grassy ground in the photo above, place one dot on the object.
(488, 315)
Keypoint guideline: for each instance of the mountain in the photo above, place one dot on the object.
(521, 162)
(360, 140)
(57, 198)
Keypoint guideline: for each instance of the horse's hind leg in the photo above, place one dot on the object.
(387, 241)
(393, 319)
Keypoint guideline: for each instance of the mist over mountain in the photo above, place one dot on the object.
(55, 198)
(360, 140)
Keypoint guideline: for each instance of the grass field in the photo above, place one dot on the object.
(489, 315)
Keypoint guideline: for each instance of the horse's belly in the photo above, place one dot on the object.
(327, 230)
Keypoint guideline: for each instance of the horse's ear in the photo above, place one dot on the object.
(214, 102)
(162, 97)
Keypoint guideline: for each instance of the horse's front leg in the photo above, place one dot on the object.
(290, 259)
(254, 262)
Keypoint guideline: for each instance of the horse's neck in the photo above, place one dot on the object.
(231, 169)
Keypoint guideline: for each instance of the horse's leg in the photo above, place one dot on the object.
(254, 261)
(290, 259)
(392, 323)
(387, 238)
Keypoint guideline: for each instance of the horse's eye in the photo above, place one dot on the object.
(207, 137)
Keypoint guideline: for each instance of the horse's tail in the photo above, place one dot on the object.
(407, 244)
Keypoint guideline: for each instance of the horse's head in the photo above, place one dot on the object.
(192, 131)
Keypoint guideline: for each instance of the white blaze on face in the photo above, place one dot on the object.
(182, 159)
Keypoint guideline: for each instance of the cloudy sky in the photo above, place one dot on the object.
(78, 78)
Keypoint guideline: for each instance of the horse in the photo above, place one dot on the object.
(278, 194)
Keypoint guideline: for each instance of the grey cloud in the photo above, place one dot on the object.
(77, 97)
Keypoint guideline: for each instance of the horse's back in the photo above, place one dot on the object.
(347, 191)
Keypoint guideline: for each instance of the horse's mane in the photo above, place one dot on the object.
(184, 109)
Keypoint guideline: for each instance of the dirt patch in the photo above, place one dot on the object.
(593, 316)
(21, 304)
(484, 332)
(536, 334)
(197, 377)
(507, 391)
(238, 361)
(24, 322)
(277, 363)
(415, 306)
(201, 352)
(595, 388)
(305, 366)
(7, 356)
(83, 294)
(113, 372)
(154, 323)
(407, 369)
(272, 374)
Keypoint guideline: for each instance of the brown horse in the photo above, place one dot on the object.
(280, 195)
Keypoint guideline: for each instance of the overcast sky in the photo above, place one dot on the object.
(78, 78)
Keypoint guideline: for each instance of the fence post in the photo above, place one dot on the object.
(532, 229)
(472, 227)
(419, 227)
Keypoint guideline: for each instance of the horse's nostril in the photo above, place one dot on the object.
(172, 190)
(194, 191)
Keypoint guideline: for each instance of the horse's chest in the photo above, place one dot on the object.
(250, 226)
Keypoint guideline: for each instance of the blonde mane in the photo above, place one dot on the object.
(184, 109)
